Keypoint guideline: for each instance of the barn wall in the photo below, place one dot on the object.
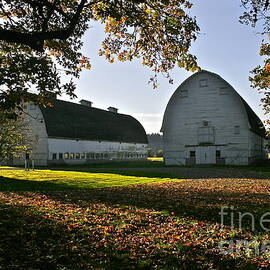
(94, 149)
(217, 103)
(38, 133)
(257, 147)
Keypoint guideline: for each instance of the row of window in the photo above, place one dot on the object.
(192, 154)
(56, 156)
(206, 124)
(204, 83)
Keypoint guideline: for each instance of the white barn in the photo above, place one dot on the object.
(71, 133)
(207, 122)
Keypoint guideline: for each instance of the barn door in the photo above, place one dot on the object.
(206, 155)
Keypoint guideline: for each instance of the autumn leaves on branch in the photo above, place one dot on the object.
(40, 40)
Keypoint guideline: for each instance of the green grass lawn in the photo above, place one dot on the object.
(19, 179)
(68, 220)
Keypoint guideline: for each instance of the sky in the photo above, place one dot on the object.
(224, 46)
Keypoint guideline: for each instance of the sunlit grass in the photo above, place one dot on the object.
(159, 159)
(19, 179)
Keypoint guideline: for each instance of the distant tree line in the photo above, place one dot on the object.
(155, 145)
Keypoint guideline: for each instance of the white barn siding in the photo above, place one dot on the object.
(257, 147)
(38, 133)
(219, 105)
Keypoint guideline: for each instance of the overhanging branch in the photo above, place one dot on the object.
(35, 40)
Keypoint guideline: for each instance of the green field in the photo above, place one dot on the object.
(19, 179)
(73, 219)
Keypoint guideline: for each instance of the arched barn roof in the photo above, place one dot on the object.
(75, 121)
(255, 123)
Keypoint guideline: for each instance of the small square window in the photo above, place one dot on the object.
(184, 93)
(218, 154)
(54, 156)
(192, 154)
(223, 91)
(203, 83)
(60, 155)
(66, 156)
(236, 130)
(205, 123)
(72, 155)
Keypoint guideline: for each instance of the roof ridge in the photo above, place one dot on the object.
(88, 107)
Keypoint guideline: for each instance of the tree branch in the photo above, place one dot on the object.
(35, 40)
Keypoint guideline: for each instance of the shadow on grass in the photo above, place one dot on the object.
(181, 199)
(30, 240)
(178, 172)
(188, 198)
(10, 184)
(117, 164)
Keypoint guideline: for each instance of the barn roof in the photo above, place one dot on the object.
(255, 122)
(256, 125)
(75, 121)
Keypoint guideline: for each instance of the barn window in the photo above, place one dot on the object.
(205, 123)
(223, 90)
(192, 154)
(66, 156)
(206, 135)
(106, 156)
(82, 155)
(97, 155)
(72, 155)
(236, 130)
(183, 93)
(218, 154)
(60, 155)
(203, 83)
(54, 156)
(77, 155)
